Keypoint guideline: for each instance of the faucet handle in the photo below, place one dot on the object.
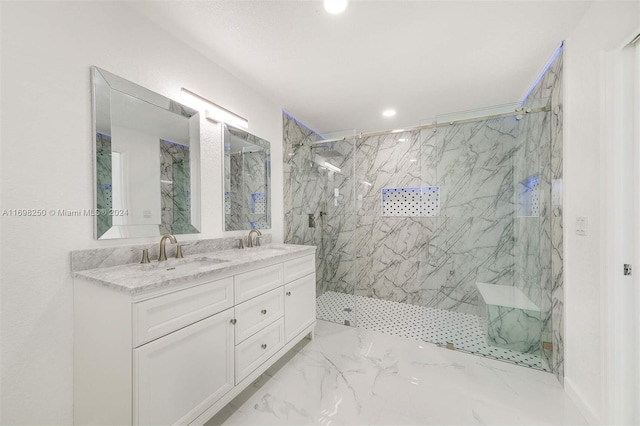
(145, 256)
(259, 241)
(241, 243)
(179, 251)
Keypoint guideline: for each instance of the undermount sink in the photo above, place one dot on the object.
(187, 265)
(253, 251)
(194, 265)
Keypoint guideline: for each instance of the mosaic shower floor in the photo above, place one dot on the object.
(419, 323)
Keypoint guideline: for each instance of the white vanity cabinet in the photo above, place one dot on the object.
(178, 354)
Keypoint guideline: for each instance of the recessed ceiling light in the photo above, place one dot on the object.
(389, 113)
(402, 140)
(335, 7)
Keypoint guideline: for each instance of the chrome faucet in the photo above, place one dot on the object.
(163, 250)
(250, 238)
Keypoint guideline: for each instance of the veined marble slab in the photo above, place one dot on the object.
(513, 320)
(121, 255)
(135, 278)
(506, 295)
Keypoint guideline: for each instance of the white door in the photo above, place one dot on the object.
(299, 305)
(622, 235)
(178, 376)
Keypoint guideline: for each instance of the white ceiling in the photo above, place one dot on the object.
(339, 72)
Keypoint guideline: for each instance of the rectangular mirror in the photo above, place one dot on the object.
(147, 161)
(247, 181)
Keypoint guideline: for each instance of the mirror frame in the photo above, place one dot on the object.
(103, 86)
(249, 201)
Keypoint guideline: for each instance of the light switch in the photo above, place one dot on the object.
(582, 226)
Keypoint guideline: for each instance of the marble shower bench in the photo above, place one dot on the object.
(513, 321)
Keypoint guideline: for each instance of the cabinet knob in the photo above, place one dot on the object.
(264, 346)
(288, 293)
(263, 312)
(233, 321)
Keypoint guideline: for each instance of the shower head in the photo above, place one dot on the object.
(329, 153)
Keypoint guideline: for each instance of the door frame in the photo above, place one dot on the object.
(620, 320)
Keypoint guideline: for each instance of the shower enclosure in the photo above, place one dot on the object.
(439, 233)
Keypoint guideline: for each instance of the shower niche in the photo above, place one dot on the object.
(529, 196)
(419, 202)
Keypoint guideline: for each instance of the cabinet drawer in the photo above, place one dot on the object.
(254, 283)
(255, 314)
(298, 268)
(251, 353)
(162, 315)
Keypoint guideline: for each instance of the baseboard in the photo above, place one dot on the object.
(585, 409)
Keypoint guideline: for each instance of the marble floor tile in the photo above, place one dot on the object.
(355, 376)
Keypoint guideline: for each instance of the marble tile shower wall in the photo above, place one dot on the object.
(256, 178)
(303, 193)
(549, 92)
(104, 191)
(247, 176)
(175, 187)
(471, 238)
(234, 213)
(390, 249)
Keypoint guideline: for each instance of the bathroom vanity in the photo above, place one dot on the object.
(173, 342)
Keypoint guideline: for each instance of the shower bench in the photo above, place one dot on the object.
(513, 320)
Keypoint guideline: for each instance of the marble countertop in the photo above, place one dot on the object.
(135, 278)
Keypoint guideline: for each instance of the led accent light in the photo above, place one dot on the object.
(215, 112)
(335, 7)
(389, 113)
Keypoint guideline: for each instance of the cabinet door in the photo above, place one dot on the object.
(299, 305)
(178, 376)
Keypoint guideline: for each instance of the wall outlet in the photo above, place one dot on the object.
(582, 226)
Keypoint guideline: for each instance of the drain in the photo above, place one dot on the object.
(348, 309)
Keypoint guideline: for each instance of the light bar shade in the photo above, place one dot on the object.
(215, 112)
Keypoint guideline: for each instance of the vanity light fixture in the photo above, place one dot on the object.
(335, 7)
(389, 113)
(215, 112)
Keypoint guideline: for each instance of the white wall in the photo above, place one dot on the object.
(604, 27)
(47, 51)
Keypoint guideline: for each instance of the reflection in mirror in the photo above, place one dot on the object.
(147, 151)
(247, 181)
